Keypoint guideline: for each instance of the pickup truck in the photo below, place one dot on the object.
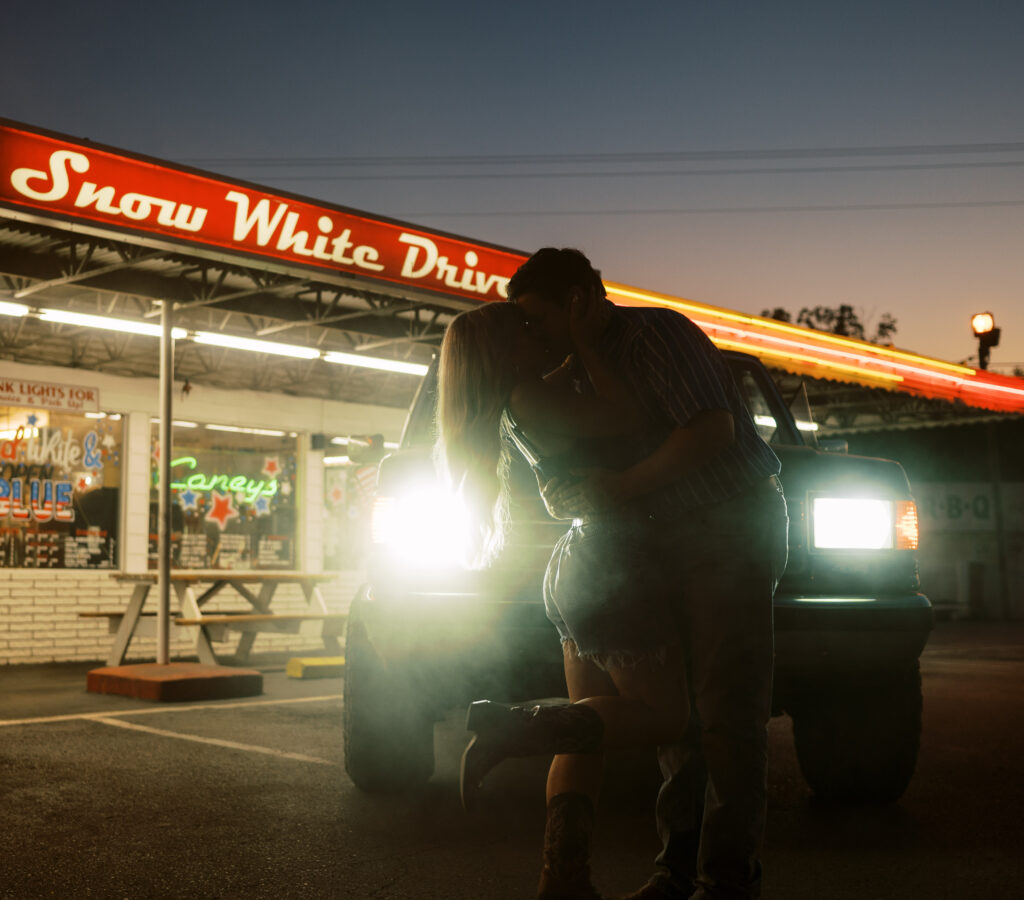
(425, 635)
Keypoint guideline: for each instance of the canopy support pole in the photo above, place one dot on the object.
(163, 630)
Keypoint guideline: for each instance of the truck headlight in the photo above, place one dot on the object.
(425, 526)
(844, 523)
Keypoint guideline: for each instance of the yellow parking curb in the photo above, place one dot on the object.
(316, 667)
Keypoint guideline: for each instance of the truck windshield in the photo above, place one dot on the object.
(773, 422)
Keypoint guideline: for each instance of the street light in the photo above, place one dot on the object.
(984, 327)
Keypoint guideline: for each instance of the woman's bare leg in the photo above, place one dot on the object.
(645, 704)
(651, 706)
(580, 773)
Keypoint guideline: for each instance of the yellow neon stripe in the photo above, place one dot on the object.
(814, 360)
(861, 358)
(772, 325)
(965, 385)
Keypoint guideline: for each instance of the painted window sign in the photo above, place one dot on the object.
(233, 501)
(63, 397)
(59, 488)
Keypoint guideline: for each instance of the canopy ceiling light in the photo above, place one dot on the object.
(210, 338)
(12, 309)
(375, 362)
(242, 343)
(107, 323)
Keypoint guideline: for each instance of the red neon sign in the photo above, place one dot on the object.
(56, 175)
(52, 174)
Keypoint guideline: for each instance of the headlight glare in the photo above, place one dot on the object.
(852, 524)
(424, 526)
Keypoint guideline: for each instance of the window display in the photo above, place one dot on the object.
(60, 488)
(233, 498)
(349, 485)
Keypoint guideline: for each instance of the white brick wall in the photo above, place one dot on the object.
(39, 607)
(39, 619)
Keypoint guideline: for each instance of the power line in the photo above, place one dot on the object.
(716, 210)
(576, 158)
(794, 170)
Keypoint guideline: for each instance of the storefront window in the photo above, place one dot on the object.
(350, 479)
(60, 487)
(233, 498)
(348, 500)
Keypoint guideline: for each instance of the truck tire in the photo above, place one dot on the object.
(859, 743)
(388, 735)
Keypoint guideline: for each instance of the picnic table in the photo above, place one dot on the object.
(196, 588)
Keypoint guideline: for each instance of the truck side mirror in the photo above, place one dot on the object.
(366, 449)
(834, 445)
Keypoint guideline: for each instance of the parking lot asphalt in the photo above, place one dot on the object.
(109, 797)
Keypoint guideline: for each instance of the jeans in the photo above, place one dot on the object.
(726, 562)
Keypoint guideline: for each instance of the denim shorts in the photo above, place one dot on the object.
(612, 584)
(602, 590)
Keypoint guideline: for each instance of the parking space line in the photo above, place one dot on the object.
(216, 742)
(41, 720)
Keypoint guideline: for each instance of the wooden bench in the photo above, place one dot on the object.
(146, 626)
(259, 617)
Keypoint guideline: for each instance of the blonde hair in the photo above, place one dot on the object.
(475, 378)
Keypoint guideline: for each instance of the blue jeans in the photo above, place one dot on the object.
(725, 562)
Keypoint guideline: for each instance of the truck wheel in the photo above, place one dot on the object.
(859, 743)
(389, 736)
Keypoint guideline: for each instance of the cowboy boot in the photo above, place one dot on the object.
(567, 835)
(507, 731)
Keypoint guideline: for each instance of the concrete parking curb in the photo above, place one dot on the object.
(316, 667)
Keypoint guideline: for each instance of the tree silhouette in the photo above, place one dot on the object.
(841, 319)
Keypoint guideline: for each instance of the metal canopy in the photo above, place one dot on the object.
(841, 409)
(97, 230)
(64, 269)
(68, 269)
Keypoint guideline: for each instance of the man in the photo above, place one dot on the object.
(718, 531)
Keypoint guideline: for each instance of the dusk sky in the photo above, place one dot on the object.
(745, 154)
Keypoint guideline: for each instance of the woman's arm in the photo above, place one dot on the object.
(684, 450)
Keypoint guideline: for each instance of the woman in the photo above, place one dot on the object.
(625, 690)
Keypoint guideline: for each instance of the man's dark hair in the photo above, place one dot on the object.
(553, 273)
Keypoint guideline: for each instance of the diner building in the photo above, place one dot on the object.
(299, 328)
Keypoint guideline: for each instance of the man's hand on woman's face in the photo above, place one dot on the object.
(588, 317)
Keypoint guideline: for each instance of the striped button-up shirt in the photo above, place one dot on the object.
(676, 372)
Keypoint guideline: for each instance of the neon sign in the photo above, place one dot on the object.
(805, 351)
(57, 177)
(62, 176)
(250, 488)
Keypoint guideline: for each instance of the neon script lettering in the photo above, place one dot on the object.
(198, 481)
(55, 184)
